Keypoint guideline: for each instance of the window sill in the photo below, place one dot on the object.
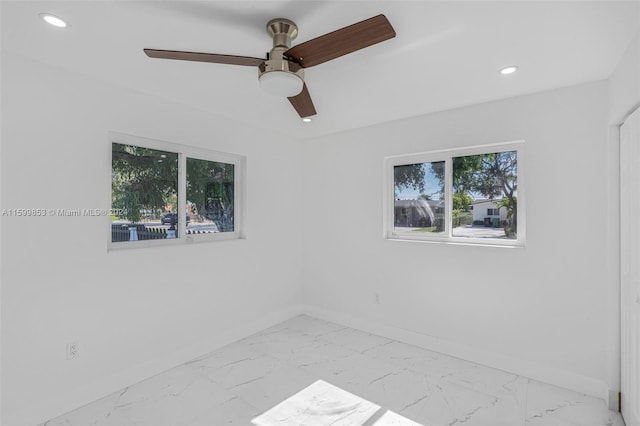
(458, 242)
(188, 240)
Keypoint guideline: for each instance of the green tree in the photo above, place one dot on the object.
(490, 175)
(142, 179)
(210, 189)
(498, 177)
(461, 201)
(412, 176)
(511, 221)
(409, 176)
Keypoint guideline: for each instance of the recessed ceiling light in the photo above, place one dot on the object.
(509, 70)
(53, 20)
(306, 120)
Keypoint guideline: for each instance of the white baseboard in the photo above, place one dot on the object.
(63, 403)
(555, 376)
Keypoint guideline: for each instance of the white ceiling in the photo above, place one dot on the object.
(446, 53)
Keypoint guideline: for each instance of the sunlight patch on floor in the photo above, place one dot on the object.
(322, 404)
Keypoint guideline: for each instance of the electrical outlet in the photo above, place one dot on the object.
(376, 298)
(73, 350)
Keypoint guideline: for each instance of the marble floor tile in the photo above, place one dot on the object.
(445, 403)
(554, 406)
(171, 398)
(320, 357)
(353, 339)
(352, 372)
(286, 344)
(312, 326)
(390, 418)
(233, 411)
(410, 386)
(275, 386)
(227, 355)
(230, 374)
(96, 413)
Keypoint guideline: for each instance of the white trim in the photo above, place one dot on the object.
(58, 404)
(551, 375)
(447, 155)
(182, 195)
(448, 196)
(184, 152)
(438, 155)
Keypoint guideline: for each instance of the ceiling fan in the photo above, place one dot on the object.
(282, 72)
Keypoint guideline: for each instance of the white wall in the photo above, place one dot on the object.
(624, 84)
(536, 310)
(134, 312)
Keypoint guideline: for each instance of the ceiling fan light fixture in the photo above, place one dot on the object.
(281, 83)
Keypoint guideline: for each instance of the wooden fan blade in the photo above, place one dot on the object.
(340, 42)
(204, 57)
(303, 104)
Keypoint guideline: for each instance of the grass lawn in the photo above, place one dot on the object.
(429, 229)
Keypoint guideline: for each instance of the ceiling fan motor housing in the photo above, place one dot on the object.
(278, 75)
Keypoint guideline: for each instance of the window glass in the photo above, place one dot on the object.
(144, 193)
(419, 205)
(490, 183)
(210, 196)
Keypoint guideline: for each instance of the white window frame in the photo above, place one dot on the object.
(184, 152)
(447, 156)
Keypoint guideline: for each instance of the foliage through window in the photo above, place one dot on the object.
(210, 193)
(161, 191)
(466, 195)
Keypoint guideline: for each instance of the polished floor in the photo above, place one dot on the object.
(345, 377)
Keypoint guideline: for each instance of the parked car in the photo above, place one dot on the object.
(169, 218)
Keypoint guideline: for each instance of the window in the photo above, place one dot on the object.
(164, 193)
(471, 195)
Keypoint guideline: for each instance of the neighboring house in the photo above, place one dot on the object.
(488, 209)
(437, 206)
(416, 213)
